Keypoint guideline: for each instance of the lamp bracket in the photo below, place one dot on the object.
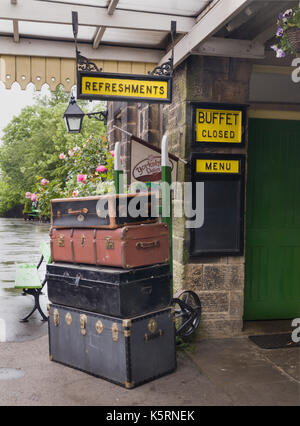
(100, 115)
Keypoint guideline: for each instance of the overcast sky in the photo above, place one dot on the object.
(13, 100)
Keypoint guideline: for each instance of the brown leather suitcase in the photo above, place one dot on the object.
(104, 211)
(127, 247)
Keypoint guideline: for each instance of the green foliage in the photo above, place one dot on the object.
(27, 206)
(32, 144)
(286, 21)
(187, 344)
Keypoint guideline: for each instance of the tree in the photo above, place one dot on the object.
(32, 144)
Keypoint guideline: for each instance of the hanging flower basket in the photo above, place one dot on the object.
(288, 33)
(293, 35)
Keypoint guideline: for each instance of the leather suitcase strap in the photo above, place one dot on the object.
(95, 246)
(72, 246)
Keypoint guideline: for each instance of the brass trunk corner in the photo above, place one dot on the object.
(126, 323)
(129, 385)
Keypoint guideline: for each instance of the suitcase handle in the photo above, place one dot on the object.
(141, 245)
(82, 211)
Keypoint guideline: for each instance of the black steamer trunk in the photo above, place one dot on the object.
(128, 352)
(103, 211)
(110, 291)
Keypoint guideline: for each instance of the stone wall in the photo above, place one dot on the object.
(219, 281)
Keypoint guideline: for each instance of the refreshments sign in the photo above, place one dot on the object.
(123, 87)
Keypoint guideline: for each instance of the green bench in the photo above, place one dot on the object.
(28, 279)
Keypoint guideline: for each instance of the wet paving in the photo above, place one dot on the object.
(20, 244)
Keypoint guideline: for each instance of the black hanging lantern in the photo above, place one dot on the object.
(73, 117)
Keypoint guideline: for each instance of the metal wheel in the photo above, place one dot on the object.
(187, 313)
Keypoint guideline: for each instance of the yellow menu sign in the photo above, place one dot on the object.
(217, 166)
(219, 125)
(117, 87)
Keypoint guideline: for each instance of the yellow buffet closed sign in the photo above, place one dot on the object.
(111, 87)
(219, 126)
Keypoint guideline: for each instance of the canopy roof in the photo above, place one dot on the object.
(138, 31)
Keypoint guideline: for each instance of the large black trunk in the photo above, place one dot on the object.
(127, 352)
(111, 291)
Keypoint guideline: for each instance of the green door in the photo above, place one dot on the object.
(272, 282)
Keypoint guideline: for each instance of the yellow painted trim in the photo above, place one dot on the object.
(271, 69)
(274, 115)
(55, 71)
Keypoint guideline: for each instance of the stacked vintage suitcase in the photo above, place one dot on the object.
(110, 288)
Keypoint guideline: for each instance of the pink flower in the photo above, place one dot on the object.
(71, 152)
(81, 178)
(28, 195)
(62, 156)
(34, 197)
(101, 169)
(44, 182)
(75, 193)
(112, 153)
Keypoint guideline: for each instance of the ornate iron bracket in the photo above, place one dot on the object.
(101, 116)
(166, 69)
(82, 63)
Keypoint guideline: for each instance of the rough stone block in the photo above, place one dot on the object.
(214, 278)
(230, 91)
(222, 277)
(201, 89)
(219, 328)
(178, 250)
(179, 229)
(236, 277)
(178, 276)
(236, 260)
(214, 302)
(236, 304)
(240, 70)
(214, 64)
(194, 277)
(131, 114)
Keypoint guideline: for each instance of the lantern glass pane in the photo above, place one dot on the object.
(74, 123)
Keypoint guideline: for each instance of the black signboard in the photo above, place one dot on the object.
(218, 124)
(222, 232)
(124, 87)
